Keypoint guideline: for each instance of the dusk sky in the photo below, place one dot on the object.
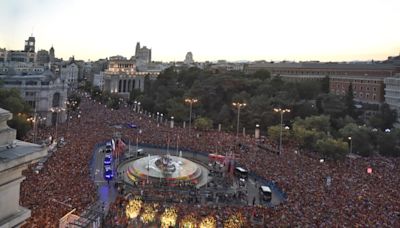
(327, 30)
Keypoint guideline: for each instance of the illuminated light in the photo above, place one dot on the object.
(189, 221)
(133, 208)
(369, 170)
(208, 222)
(149, 213)
(235, 221)
(168, 218)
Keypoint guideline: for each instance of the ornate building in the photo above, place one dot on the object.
(43, 92)
(121, 78)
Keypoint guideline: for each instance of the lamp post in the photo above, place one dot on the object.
(281, 111)
(238, 105)
(190, 101)
(257, 132)
(172, 122)
(56, 110)
(134, 106)
(33, 121)
(351, 144)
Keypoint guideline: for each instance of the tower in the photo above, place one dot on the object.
(51, 54)
(30, 44)
(137, 49)
(188, 58)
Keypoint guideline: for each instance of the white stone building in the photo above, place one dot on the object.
(69, 73)
(392, 94)
(43, 92)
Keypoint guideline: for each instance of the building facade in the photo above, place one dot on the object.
(69, 73)
(43, 92)
(142, 54)
(367, 79)
(392, 94)
(121, 78)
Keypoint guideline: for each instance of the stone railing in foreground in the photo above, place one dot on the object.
(15, 156)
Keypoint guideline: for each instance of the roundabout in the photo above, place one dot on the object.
(163, 168)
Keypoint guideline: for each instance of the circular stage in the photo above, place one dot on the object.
(167, 167)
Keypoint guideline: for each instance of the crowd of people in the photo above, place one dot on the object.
(319, 193)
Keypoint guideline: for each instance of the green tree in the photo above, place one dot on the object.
(305, 137)
(134, 95)
(274, 132)
(308, 90)
(362, 142)
(203, 123)
(389, 143)
(325, 84)
(262, 74)
(10, 99)
(331, 148)
(349, 102)
(384, 119)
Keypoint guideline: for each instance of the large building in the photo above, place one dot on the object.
(367, 79)
(392, 94)
(42, 57)
(20, 68)
(69, 74)
(15, 156)
(28, 55)
(121, 78)
(44, 92)
(142, 55)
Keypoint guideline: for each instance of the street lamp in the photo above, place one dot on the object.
(280, 138)
(134, 107)
(172, 122)
(33, 121)
(257, 132)
(351, 144)
(238, 105)
(56, 110)
(190, 101)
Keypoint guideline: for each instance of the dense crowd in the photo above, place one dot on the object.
(351, 197)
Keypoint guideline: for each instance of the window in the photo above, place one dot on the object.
(374, 89)
(30, 83)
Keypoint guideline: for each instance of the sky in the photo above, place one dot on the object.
(293, 30)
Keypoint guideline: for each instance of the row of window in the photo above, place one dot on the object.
(360, 94)
(356, 81)
(355, 87)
